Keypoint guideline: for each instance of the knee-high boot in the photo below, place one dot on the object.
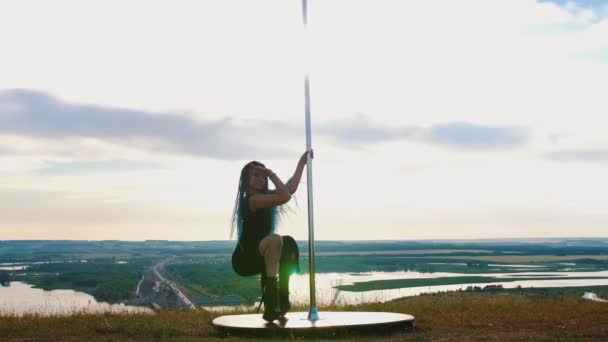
(284, 304)
(271, 299)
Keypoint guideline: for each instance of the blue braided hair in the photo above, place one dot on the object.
(276, 213)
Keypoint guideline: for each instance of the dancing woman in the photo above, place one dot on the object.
(259, 249)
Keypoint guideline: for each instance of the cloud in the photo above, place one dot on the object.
(468, 135)
(584, 155)
(583, 31)
(600, 54)
(40, 115)
(97, 166)
(360, 129)
(583, 10)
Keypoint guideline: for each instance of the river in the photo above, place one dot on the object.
(21, 298)
(327, 294)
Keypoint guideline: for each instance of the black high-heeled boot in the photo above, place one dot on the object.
(271, 299)
(284, 304)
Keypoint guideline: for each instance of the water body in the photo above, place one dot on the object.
(518, 266)
(19, 266)
(592, 296)
(21, 298)
(327, 294)
(28, 263)
(13, 268)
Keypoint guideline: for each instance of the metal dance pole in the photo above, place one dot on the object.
(313, 315)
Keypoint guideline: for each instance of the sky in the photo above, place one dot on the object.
(131, 120)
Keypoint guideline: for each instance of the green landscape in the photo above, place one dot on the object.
(146, 273)
(111, 270)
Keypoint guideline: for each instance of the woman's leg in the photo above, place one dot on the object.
(270, 248)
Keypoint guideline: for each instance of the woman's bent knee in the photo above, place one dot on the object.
(273, 242)
(277, 240)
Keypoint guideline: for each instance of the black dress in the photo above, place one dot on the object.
(246, 258)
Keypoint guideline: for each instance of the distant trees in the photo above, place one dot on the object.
(485, 288)
(114, 291)
(106, 280)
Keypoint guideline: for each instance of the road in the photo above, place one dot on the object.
(139, 285)
(171, 284)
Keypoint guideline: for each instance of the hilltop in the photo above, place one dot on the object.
(453, 317)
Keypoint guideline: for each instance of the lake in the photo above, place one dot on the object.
(327, 294)
(21, 298)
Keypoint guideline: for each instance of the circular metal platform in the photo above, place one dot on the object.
(298, 322)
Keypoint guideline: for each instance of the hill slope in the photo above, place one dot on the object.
(453, 316)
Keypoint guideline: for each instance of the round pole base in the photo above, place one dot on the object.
(327, 321)
(313, 314)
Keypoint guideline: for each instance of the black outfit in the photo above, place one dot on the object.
(246, 258)
(247, 261)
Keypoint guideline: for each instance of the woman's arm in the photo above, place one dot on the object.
(282, 190)
(293, 182)
(278, 197)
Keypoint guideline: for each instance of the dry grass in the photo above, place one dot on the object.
(503, 316)
(457, 316)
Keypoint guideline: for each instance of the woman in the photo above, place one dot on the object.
(259, 250)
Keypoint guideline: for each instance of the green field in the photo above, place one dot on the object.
(203, 269)
(104, 279)
(211, 277)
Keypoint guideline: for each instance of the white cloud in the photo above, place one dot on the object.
(492, 64)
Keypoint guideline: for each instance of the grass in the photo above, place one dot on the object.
(452, 316)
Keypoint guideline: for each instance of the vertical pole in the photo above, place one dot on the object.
(313, 315)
